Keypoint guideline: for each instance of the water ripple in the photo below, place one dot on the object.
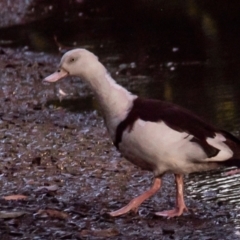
(217, 189)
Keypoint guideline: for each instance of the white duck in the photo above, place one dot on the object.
(155, 135)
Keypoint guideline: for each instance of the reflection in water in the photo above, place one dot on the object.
(218, 188)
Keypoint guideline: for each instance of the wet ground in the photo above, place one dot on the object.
(56, 153)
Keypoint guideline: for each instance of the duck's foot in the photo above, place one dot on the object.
(131, 206)
(180, 204)
(136, 202)
(172, 213)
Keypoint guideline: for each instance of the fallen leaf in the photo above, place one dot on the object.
(5, 214)
(29, 181)
(15, 197)
(52, 213)
(61, 92)
(51, 188)
(104, 233)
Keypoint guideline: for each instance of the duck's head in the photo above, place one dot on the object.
(78, 62)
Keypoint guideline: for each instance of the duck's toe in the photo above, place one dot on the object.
(172, 213)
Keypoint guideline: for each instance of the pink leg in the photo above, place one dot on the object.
(136, 202)
(180, 204)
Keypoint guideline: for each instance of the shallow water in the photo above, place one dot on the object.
(199, 74)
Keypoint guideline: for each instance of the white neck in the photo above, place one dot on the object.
(115, 100)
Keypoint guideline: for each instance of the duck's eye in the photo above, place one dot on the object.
(72, 60)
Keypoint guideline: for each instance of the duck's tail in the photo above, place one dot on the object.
(234, 144)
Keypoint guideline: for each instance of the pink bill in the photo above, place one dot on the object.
(56, 76)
